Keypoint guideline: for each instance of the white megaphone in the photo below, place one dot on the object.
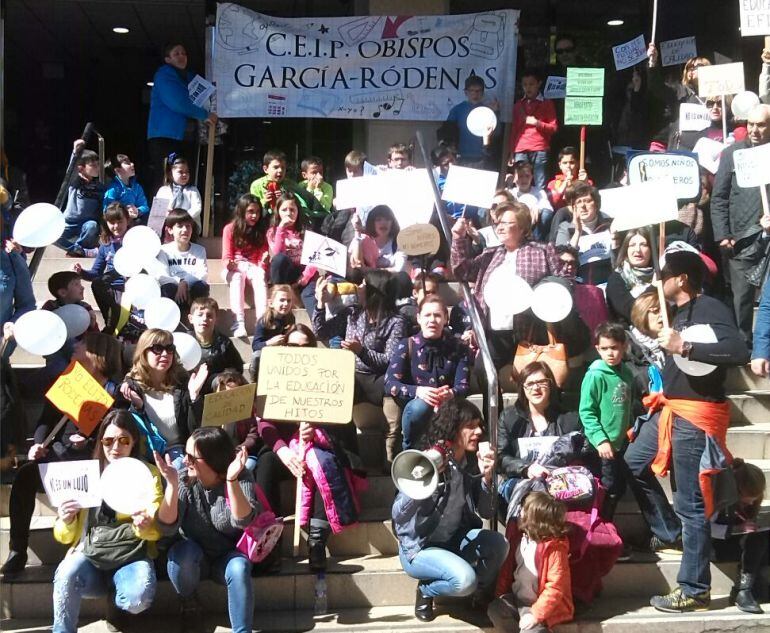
(416, 473)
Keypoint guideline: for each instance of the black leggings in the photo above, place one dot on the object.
(22, 504)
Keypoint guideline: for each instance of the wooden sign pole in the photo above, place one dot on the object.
(209, 177)
(654, 26)
(582, 147)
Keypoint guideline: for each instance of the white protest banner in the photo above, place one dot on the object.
(673, 52)
(755, 17)
(708, 151)
(693, 117)
(595, 247)
(470, 186)
(200, 90)
(722, 79)
(406, 67)
(752, 166)
(680, 169)
(324, 253)
(306, 384)
(230, 405)
(630, 53)
(72, 481)
(613, 200)
(555, 87)
(355, 192)
(650, 202)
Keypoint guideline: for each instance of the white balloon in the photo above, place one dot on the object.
(127, 262)
(142, 290)
(743, 103)
(143, 241)
(163, 314)
(506, 295)
(552, 302)
(39, 225)
(480, 119)
(127, 486)
(188, 349)
(155, 267)
(40, 332)
(76, 319)
(699, 333)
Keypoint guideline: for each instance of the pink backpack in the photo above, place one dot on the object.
(260, 537)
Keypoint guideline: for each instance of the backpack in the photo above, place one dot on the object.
(260, 537)
(574, 485)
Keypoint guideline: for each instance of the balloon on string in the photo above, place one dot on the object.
(38, 225)
(551, 302)
(480, 120)
(743, 103)
(142, 241)
(40, 332)
(163, 314)
(506, 295)
(142, 290)
(76, 319)
(698, 333)
(127, 486)
(127, 263)
(188, 349)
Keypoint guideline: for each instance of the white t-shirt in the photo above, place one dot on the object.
(159, 407)
(189, 266)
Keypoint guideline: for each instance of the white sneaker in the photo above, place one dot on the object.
(240, 330)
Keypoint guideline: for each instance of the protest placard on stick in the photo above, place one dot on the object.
(720, 80)
(80, 397)
(755, 17)
(324, 253)
(629, 53)
(465, 185)
(678, 51)
(231, 405)
(680, 169)
(419, 239)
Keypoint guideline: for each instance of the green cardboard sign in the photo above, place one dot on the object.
(585, 82)
(583, 111)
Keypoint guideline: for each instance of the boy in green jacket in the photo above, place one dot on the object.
(606, 409)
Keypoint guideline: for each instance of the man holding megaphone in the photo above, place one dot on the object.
(437, 513)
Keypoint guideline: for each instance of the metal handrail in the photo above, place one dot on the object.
(478, 329)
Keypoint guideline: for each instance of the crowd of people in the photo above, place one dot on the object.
(605, 392)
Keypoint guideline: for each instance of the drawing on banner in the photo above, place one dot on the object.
(487, 35)
(555, 87)
(673, 52)
(276, 105)
(357, 30)
(679, 168)
(237, 30)
(630, 53)
(755, 17)
(323, 252)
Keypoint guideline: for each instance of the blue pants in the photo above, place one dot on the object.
(76, 578)
(416, 415)
(16, 294)
(84, 235)
(468, 563)
(539, 162)
(187, 564)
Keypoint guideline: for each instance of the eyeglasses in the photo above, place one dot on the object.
(565, 49)
(511, 225)
(191, 458)
(158, 349)
(542, 384)
(122, 440)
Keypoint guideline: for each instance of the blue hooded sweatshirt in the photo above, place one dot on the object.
(170, 104)
(132, 193)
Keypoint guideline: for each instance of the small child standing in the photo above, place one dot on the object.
(245, 256)
(606, 410)
(313, 181)
(569, 173)
(272, 328)
(178, 190)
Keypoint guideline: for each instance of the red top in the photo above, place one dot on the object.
(533, 138)
(556, 188)
(248, 253)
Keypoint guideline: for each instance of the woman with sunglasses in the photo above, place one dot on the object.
(85, 572)
(162, 395)
(211, 500)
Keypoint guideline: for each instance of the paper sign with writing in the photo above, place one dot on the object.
(419, 239)
(693, 117)
(709, 152)
(555, 87)
(470, 186)
(530, 448)
(650, 202)
(200, 90)
(681, 169)
(583, 111)
(72, 481)
(158, 213)
(595, 247)
(755, 17)
(306, 384)
(231, 405)
(630, 53)
(324, 253)
(752, 166)
(723, 79)
(678, 51)
(585, 82)
(76, 394)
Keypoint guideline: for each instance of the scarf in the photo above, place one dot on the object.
(634, 277)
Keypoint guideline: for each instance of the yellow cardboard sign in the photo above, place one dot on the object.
(77, 394)
(231, 405)
(306, 384)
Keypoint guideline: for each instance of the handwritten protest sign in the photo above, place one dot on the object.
(595, 247)
(306, 384)
(76, 394)
(673, 52)
(555, 87)
(324, 253)
(752, 166)
(647, 203)
(630, 53)
(723, 79)
(231, 405)
(158, 213)
(709, 153)
(72, 481)
(681, 169)
(755, 17)
(693, 117)
(419, 239)
(585, 82)
(583, 111)
(470, 186)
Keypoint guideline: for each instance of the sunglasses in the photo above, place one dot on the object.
(122, 440)
(713, 104)
(158, 349)
(191, 458)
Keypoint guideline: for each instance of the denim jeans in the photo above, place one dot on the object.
(688, 445)
(16, 294)
(76, 578)
(539, 162)
(467, 563)
(416, 414)
(84, 235)
(187, 564)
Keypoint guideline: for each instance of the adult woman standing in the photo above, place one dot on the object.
(632, 274)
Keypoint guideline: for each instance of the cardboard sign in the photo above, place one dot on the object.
(583, 111)
(723, 79)
(324, 253)
(306, 384)
(681, 169)
(555, 87)
(644, 204)
(755, 17)
(673, 52)
(419, 239)
(630, 53)
(72, 481)
(231, 405)
(76, 394)
(595, 247)
(693, 117)
(470, 186)
(585, 82)
(158, 213)
(752, 166)
(709, 152)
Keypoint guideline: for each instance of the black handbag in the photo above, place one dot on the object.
(109, 546)
(757, 274)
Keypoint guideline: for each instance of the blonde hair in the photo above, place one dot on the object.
(270, 314)
(689, 65)
(141, 371)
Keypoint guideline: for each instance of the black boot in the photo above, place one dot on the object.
(423, 607)
(741, 595)
(15, 563)
(316, 540)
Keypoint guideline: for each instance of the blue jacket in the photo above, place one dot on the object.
(762, 326)
(84, 201)
(127, 194)
(102, 265)
(170, 104)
